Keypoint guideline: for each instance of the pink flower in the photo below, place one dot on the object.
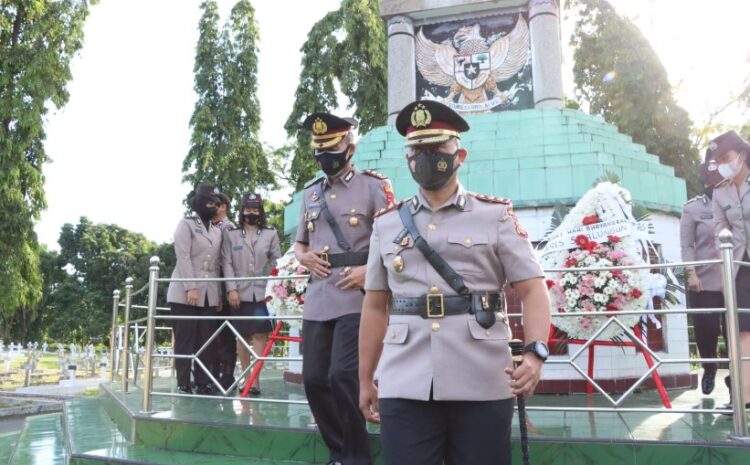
(585, 323)
(588, 306)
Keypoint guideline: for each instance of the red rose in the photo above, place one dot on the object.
(550, 283)
(591, 219)
(274, 272)
(613, 239)
(617, 273)
(612, 307)
(561, 309)
(268, 299)
(591, 246)
(570, 262)
(582, 241)
(635, 293)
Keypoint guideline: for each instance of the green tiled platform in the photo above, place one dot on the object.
(538, 158)
(112, 430)
(7, 445)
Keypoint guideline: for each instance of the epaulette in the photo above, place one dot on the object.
(492, 199)
(320, 179)
(375, 174)
(385, 210)
(195, 218)
(697, 197)
(723, 182)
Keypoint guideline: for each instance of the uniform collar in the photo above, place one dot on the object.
(460, 200)
(345, 179)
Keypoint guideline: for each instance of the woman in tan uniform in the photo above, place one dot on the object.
(731, 206)
(250, 250)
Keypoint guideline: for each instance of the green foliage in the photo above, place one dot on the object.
(225, 148)
(39, 38)
(347, 49)
(620, 76)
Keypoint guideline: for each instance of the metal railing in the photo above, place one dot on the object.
(735, 359)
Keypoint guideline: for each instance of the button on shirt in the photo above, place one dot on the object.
(352, 199)
(453, 356)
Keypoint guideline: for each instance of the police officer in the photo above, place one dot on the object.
(332, 240)
(445, 383)
(250, 250)
(731, 207)
(224, 346)
(697, 242)
(197, 245)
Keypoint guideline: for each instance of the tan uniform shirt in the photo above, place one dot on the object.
(198, 254)
(352, 200)
(732, 211)
(483, 241)
(246, 254)
(698, 242)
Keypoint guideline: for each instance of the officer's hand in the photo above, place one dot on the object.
(234, 299)
(523, 380)
(353, 279)
(368, 402)
(192, 297)
(317, 266)
(694, 282)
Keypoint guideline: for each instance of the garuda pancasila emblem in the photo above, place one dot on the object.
(470, 66)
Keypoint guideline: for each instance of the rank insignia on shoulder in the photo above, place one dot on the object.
(385, 210)
(493, 199)
(519, 229)
(374, 174)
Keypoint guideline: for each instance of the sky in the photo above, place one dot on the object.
(117, 146)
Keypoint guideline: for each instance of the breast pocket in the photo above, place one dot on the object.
(402, 260)
(467, 252)
(396, 333)
(354, 217)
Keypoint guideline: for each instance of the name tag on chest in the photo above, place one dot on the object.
(707, 216)
(238, 247)
(199, 230)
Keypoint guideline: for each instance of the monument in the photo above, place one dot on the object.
(499, 64)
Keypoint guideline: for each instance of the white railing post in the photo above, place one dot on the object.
(125, 344)
(153, 275)
(112, 344)
(733, 335)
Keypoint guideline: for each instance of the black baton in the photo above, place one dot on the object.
(516, 350)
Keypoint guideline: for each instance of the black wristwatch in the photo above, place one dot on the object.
(539, 349)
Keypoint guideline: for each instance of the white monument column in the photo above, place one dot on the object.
(546, 53)
(402, 70)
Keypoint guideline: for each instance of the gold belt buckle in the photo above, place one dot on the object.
(441, 303)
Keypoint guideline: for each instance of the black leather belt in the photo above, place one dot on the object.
(337, 260)
(438, 305)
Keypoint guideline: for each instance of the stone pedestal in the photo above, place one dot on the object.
(546, 53)
(401, 65)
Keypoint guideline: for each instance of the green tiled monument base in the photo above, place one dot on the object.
(537, 158)
(215, 431)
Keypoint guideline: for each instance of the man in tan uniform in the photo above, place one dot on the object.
(445, 383)
(332, 241)
(697, 242)
(731, 206)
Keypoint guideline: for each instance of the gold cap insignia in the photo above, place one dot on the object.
(319, 126)
(712, 146)
(442, 166)
(420, 116)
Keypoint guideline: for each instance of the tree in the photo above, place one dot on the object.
(97, 259)
(225, 148)
(347, 49)
(38, 41)
(620, 77)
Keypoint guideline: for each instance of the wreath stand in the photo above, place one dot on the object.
(592, 351)
(275, 336)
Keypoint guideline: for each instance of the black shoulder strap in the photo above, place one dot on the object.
(340, 239)
(442, 267)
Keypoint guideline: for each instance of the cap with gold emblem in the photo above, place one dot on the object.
(429, 122)
(252, 200)
(327, 129)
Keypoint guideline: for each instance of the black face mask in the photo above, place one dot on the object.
(252, 219)
(433, 169)
(332, 162)
(709, 191)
